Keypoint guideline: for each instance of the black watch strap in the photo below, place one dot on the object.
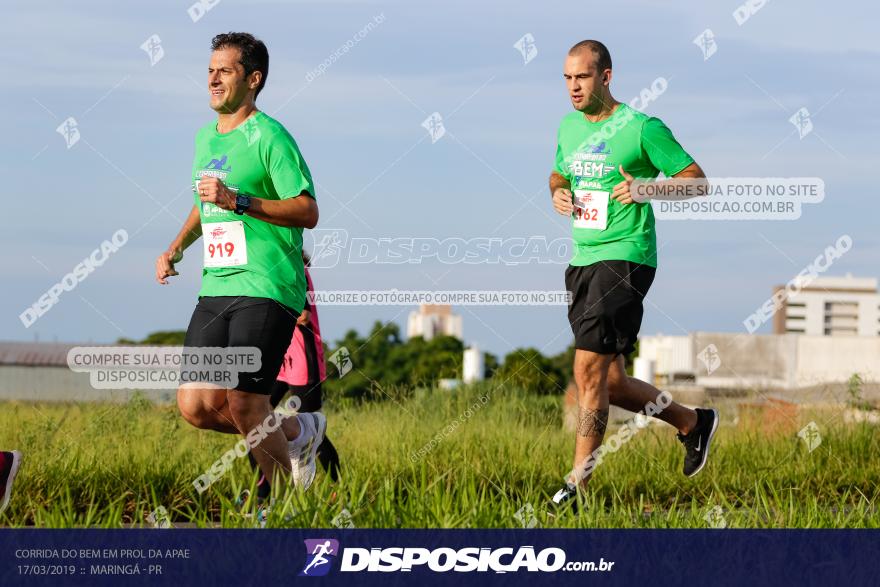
(242, 203)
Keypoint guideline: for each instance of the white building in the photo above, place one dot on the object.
(38, 371)
(773, 361)
(433, 320)
(830, 306)
(473, 366)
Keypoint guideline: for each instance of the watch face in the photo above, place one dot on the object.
(242, 203)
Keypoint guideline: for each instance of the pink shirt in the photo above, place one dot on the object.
(295, 368)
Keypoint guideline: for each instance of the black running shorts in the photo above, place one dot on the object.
(230, 321)
(606, 304)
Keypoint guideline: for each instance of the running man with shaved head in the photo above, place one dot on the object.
(603, 146)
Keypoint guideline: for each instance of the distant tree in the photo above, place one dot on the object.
(439, 358)
(160, 337)
(530, 370)
(564, 362)
(377, 362)
(629, 360)
(383, 363)
(490, 365)
(173, 337)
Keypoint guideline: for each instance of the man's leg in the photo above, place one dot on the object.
(309, 398)
(634, 394)
(209, 409)
(279, 389)
(268, 325)
(696, 428)
(206, 408)
(586, 313)
(252, 411)
(591, 378)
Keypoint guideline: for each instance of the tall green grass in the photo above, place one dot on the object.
(109, 465)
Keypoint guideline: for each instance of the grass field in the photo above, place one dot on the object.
(109, 465)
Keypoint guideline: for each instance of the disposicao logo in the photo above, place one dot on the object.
(319, 553)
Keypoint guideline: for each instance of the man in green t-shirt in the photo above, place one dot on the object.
(253, 197)
(602, 146)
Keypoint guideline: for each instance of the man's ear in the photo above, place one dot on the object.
(256, 78)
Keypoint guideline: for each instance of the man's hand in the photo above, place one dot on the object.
(165, 265)
(213, 190)
(621, 191)
(562, 201)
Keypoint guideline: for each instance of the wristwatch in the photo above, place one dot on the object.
(242, 203)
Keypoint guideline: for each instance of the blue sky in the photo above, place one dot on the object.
(359, 128)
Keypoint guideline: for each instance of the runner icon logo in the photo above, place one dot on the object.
(527, 48)
(706, 42)
(218, 164)
(318, 556)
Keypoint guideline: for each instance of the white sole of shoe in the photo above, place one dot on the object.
(16, 462)
(708, 442)
(314, 443)
(321, 428)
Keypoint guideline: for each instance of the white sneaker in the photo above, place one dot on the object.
(302, 458)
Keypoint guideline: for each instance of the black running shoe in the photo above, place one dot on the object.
(565, 498)
(696, 442)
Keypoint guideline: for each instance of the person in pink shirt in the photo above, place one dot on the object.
(301, 374)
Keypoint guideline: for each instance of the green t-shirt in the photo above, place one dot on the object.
(253, 258)
(588, 154)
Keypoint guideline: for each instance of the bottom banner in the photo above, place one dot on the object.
(437, 557)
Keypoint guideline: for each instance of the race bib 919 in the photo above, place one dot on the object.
(590, 209)
(225, 244)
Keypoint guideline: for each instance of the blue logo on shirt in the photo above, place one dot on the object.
(218, 164)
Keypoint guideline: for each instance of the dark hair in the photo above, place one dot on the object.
(600, 51)
(254, 55)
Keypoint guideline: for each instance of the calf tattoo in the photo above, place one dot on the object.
(592, 423)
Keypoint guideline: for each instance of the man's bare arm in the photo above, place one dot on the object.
(692, 171)
(558, 181)
(692, 178)
(560, 193)
(190, 233)
(631, 189)
(301, 211)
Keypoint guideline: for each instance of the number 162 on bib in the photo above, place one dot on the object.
(590, 209)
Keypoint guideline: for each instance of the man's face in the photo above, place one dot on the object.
(587, 86)
(226, 80)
